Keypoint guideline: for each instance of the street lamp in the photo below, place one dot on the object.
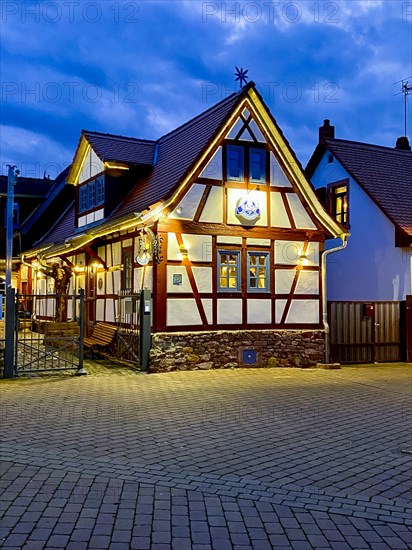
(11, 182)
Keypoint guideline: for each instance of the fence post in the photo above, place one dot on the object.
(10, 323)
(145, 336)
(80, 370)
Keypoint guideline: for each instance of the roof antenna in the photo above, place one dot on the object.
(241, 75)
(406, 89)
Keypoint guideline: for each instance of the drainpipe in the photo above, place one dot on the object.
(344, 238)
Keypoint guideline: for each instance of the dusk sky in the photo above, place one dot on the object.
(142, 68)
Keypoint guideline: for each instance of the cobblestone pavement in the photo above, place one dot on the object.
(245, 459)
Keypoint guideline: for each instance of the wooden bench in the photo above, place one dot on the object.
(102, 337)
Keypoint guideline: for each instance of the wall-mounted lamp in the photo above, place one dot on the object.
(303, 260)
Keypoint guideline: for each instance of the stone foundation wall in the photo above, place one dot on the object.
(233, 349)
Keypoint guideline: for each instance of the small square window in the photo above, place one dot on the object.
(228, 270)
(258, 271)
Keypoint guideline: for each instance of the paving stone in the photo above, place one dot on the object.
(105, 484)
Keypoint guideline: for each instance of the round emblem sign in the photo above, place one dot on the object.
(143, 259)
(248, 209)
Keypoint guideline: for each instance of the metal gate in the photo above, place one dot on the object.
(365, 332)
(128, 326)
(35, 342)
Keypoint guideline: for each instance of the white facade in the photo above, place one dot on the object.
(371, 268)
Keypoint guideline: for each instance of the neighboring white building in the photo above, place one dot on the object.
(368, 189)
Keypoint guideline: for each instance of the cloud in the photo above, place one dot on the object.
(143, 68)
(24, 148)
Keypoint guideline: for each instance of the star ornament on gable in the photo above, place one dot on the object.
(241, 76)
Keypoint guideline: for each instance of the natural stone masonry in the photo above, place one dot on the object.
(227, 349)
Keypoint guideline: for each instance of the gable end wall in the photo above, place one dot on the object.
(371, 267)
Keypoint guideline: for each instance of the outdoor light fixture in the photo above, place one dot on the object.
(303, 260)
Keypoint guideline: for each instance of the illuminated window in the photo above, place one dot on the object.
(258, 271)
(339, 203)
(228, 270)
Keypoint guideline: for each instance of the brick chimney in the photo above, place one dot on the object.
(326, 131)
(402, 143)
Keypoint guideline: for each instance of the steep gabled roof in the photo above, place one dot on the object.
(177, 152)
(178, 157)
(112, 148)
(385, 174)
(64, 227)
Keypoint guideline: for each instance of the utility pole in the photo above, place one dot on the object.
(11, 182)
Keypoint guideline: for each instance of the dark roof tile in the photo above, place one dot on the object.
(384, 173)
(177, 152)
(63, 228)
(120, 148)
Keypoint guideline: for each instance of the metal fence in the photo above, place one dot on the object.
(366, 332)
(35, 342)
(134, 327)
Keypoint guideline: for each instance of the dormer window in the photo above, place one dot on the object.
(91, 194)
(91, 201)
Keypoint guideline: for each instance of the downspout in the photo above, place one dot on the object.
(344, 238)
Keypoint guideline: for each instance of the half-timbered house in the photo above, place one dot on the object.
(217, 219)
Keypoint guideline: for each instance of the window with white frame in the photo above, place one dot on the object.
(91, 194)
